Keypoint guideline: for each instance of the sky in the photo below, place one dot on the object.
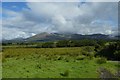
(25, 19)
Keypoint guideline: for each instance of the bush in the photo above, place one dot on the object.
(111, 51)
(97, 48)
(82, 57)
(101, 60)
(88, 49)
(117, 55)
(63, 43)
(38, 46)
(84, 52)
(85, 42)
(91, 55)
(48, 45)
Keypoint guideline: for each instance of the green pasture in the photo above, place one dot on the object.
(75, 62)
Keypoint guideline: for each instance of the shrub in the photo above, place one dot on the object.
(111, 51)
(117, 55)
(82, 57)
(101, 60)
(88, 49)
(90, 55)
(62, 43)
(84, 52)
(48, 45)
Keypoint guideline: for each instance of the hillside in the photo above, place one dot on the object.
(43, 37)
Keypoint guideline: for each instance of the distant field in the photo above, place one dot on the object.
(53, 63)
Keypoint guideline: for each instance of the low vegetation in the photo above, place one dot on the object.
(62, 59)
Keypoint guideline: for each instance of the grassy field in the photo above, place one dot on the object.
(0, 65)
(53, 63)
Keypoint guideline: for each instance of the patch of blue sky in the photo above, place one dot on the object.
(0, 10)
(14, 6)
(13, 0)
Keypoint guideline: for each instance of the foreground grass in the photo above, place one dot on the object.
(51, 63)
(0, 65)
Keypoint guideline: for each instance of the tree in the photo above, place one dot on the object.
(117, 55)
(63, 43)
(48, 45)
(110, 51)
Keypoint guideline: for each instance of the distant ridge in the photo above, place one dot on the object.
(43, 37)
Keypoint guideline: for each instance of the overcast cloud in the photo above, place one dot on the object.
(82, 18)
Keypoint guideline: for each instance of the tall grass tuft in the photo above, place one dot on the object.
(66, 73)
(101, 60)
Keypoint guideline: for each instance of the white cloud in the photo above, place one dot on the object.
(60, 0)
(13, 33)
(87, 18)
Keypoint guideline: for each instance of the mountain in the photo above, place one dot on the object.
(46, 37)
(65, 36)
(43, 37)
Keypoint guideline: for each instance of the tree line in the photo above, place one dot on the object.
(71, 43)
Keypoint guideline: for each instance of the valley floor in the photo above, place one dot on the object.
(53, 63)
